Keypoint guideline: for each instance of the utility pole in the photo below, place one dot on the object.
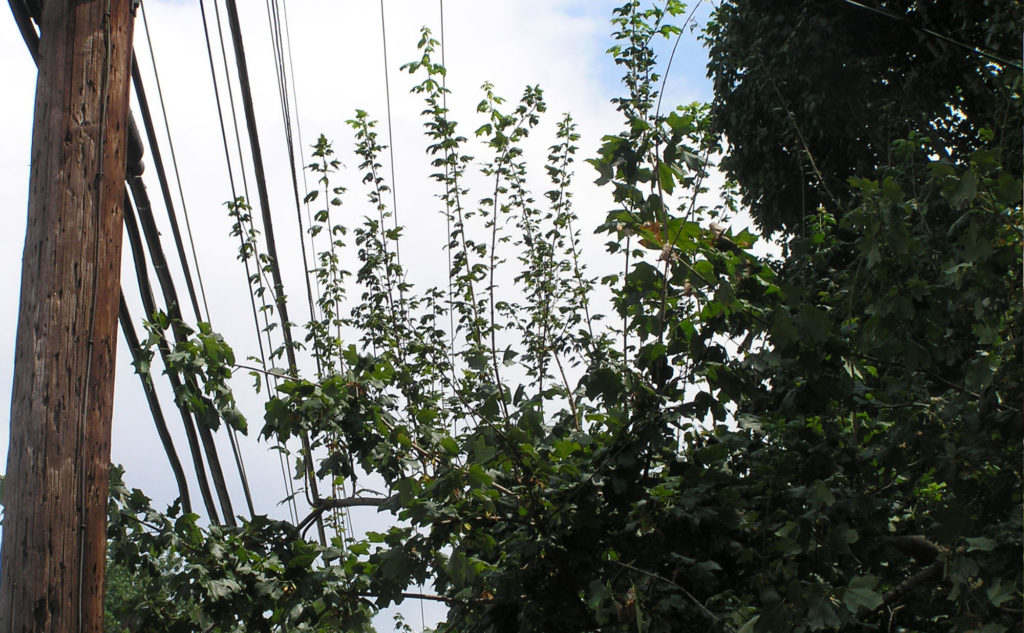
(54, 536)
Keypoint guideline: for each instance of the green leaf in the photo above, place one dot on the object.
(1008, 189)
(998, 593)
(482, 451)
(749, 625)
(598, 596)
(783, 330)
(820, 494)
(477, 361)
(704, 269)
(861, 594)
(814, 324)
(604, 382)
(985, 159)
(450, 445)
(966, 191)
(478, 477)
(980, 544)
(666, 179)
(222, 587)
(564, 448)
(604, 169)
(892, 190)
(509, 357)
(821, 614)
(459, 569)
(979, 373)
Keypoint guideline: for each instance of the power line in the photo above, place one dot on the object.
(274, 18)
(216, 96)
(945, 38)
(152, 238)
(275, 266)
(227, 158)
(163, 274)
(391, 137)
(298, 128)
(149, 305)
(128, 329)
(264, 198)
(181, 193)
(231, 99)
(265, 331)
(282, 41)
(264, 308)
(22, 17)
(232, 434)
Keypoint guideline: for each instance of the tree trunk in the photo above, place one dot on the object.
(54, 536)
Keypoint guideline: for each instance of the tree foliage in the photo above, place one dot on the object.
(826, 441)
(810, 93)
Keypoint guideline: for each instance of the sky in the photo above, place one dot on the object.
(337, 56)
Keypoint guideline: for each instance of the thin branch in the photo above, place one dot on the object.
(570, 398)
(429, 596)
(322, 505)
(261, 370)
(700, 605)
(931, 572)
(350, 502)
(915, 545)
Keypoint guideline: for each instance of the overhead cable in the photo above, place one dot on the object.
(275, 262)
(154, 404)
(305, 187)
(274, 18)
(945, 38)
(181, 194)
(298, 129)
(260, 331)
(23, 18)
(217, 100)
(391, 138)
(164, 278)
(232, 438)
(231, 100)
(149, 305)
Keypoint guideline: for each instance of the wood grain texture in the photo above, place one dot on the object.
(54, 542)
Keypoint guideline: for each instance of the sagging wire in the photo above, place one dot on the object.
(232, 433)
(274, 260)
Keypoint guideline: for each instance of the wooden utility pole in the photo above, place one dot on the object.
(54, 535)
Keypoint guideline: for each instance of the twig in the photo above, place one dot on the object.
(323, 505)
(928, 573)
(915, 545)
(700, 606)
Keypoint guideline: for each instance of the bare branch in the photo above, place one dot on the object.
(322, 505)
(700, 605)
(915, 545)
(931, 572)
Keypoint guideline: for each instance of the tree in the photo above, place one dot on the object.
(828, 441)
(811, 93)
